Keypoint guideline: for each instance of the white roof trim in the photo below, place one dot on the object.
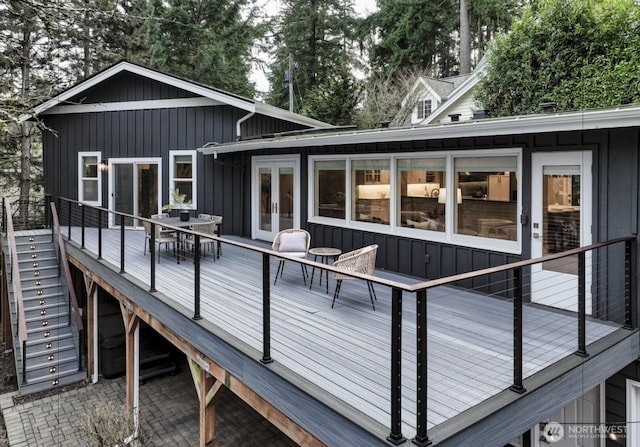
(275, 112)
(131, 105)
(463, 88)
(148, 73)
(557, 122)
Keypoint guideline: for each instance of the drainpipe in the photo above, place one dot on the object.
(239, 122)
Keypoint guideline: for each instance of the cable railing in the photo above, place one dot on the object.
(532, 313)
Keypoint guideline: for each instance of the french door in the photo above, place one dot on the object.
(275, 196)
(134, 188)
(560, 221)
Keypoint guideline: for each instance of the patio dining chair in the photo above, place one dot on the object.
(293, 242)
(164, 231)
(362, 260)
(160, 238)
(208, 228)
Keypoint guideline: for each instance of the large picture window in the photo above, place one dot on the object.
(469, 198)
(89, 178)
(182, 179)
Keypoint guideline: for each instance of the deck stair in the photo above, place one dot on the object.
(52, 345)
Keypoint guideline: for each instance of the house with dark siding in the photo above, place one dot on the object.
(441, 201)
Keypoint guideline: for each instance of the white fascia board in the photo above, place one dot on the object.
(131, 105)
(543, 123)
(275, 112)
(243, 104)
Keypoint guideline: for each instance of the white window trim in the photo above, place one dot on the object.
(194, 178)
(448, 236)
(633, 412)
(81, 156)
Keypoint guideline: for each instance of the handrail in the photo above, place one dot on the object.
(65, 265)
(15, 274)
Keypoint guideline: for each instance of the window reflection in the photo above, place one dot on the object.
(329, 188)
(489, 193)
(420, 183)
(371, 190)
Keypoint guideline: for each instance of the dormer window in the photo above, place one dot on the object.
(423, 108)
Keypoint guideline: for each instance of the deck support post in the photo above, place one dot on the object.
(132, 342)
(266, 310)
(421, 438)
(582, 314)
(517, 386)
(395, 436)
(208, 390)
(92, 327)
(630, 257)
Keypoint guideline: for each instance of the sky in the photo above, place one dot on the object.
(362, 8)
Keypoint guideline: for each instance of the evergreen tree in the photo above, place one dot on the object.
(576, 53)
(208, 41)
(317, 35)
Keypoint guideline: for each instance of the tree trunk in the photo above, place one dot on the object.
(465, 39)
(25, 152)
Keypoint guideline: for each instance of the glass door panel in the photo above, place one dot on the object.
(266, 203)
(147, 189)
(123, 191)
(285, 210)
(560, 213)
(134, 188)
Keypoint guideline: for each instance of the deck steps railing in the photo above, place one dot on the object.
(47, 342)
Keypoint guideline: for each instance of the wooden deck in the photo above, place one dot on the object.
(343, 354)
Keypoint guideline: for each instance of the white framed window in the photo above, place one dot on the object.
(406, 194)
(423, 109)
(90, 177)
(183, 179)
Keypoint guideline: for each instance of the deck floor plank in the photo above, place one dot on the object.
(346, 350)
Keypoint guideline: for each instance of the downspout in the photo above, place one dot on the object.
(239, 122)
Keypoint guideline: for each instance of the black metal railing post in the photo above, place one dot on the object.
(518, 353)
(421, 437)
(196, 277)
(122, 253)
(80, 348)
(152, 255)
(99, 234)
(24, 361)
(48, 198)
(630, 288)
(69, 221)
(395, 436)
(582, 307)
(82, 208)
(266, 309)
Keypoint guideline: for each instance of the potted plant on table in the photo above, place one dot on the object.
(178, 201)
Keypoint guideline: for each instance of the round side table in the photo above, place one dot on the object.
(324, 253)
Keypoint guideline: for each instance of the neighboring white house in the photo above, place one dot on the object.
(443, 100)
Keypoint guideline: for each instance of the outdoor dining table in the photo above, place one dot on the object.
(179, 223)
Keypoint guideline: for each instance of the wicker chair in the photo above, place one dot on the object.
(160, 238)
(206, 228)
(293, 242)
(362, 260)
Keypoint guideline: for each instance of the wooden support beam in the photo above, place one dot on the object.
(131, 326)
(92, 329)
(207, 388)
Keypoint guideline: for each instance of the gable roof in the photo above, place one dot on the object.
(207, 96)
(448, 90)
